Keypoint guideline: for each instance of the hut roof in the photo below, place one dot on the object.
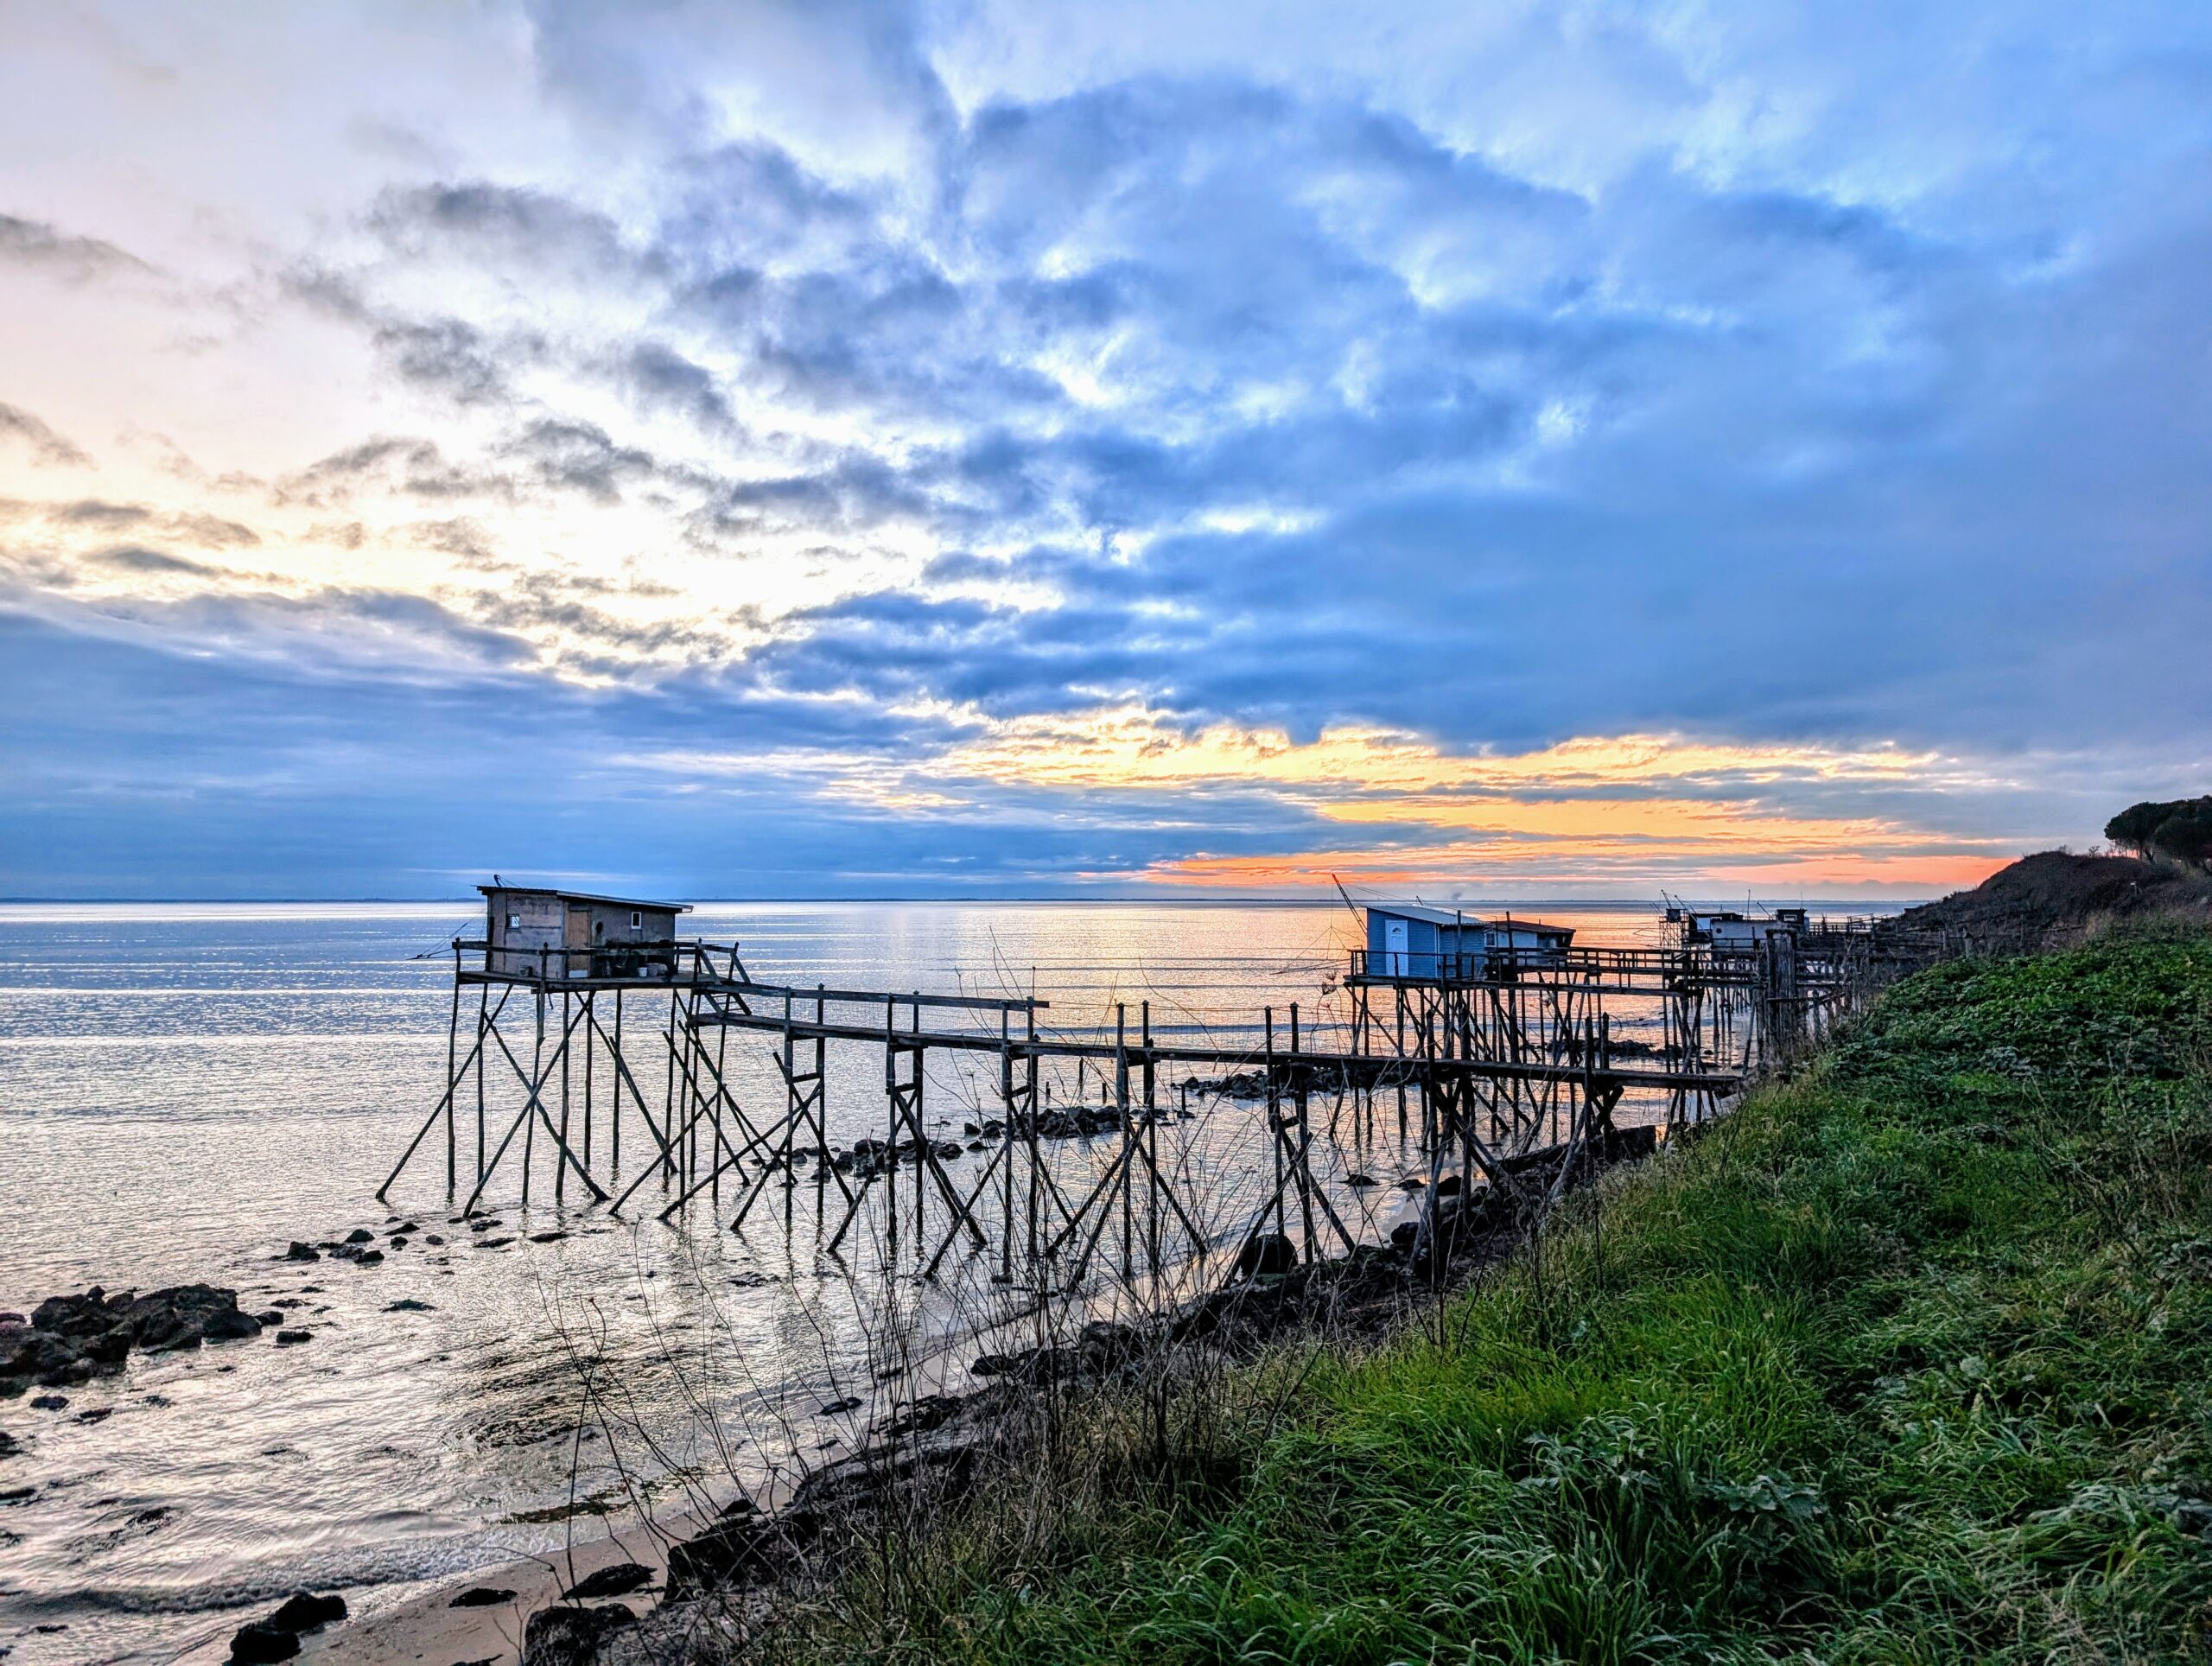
(1447, 917)
(583, 896)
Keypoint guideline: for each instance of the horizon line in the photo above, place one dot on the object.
(1655, 900)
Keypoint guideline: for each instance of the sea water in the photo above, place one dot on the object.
(186, 1088)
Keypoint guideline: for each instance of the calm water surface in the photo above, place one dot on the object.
(184, 1088)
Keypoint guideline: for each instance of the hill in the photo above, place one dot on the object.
(2054, 894)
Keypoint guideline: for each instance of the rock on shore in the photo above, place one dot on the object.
(265, 1642)
(72, 1339)
(568, 1635)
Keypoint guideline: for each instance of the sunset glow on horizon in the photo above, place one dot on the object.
(1567, 869)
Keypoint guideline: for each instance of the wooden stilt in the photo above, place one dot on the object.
(530, 1127)
(452, 1038)
(483, 1024)
(560, 1173)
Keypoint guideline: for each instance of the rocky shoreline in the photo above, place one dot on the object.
(931, 1442)
(73, 1341)
(70, 1339)
(930, 1449)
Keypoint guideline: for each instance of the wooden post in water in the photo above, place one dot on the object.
(1275, 1117)
(452, 1034)
(1151, 1143)
(925, 1151)
(1129, 1131)
(1305, 1137)
(559, 1170)
(713, 1154)
(483, 1023)
(1398, 1001)
(1005, 1147)
(1038, 1179)
(668, 1097)
(536, 1075)
(891, 1125)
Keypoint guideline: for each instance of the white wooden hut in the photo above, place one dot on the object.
(543, 931)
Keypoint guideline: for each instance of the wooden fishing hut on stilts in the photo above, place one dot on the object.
(1494, 1038)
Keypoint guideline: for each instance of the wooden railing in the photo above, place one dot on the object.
(628, 962)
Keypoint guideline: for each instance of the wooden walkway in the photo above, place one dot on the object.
(1478, 1072)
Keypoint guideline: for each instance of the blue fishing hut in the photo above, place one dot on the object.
(1414, 940)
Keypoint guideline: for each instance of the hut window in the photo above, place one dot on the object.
(637, 919)
(514, 922)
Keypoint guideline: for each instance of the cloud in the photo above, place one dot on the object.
(463, 538)
(138, 558)
(407, 466)
(587, 616)
(441, 354)
(107, 517)
(45, 445)
(1788, 390)
(579, 456)
(209, 531)
(659, 377)
(448, 355)
(41, 245)
(846, 78)
(520, 227)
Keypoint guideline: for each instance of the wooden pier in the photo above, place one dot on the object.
(1197, 1147)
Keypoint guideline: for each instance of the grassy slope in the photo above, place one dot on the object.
(1911, 1360)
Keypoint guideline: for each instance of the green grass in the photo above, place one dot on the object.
(1911, 1360)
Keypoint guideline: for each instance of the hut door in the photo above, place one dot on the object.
(1395, 957)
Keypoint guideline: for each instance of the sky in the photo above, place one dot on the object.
(1463, 450)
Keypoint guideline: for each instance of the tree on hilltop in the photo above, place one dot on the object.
(2186, 835)
(2180, 830)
